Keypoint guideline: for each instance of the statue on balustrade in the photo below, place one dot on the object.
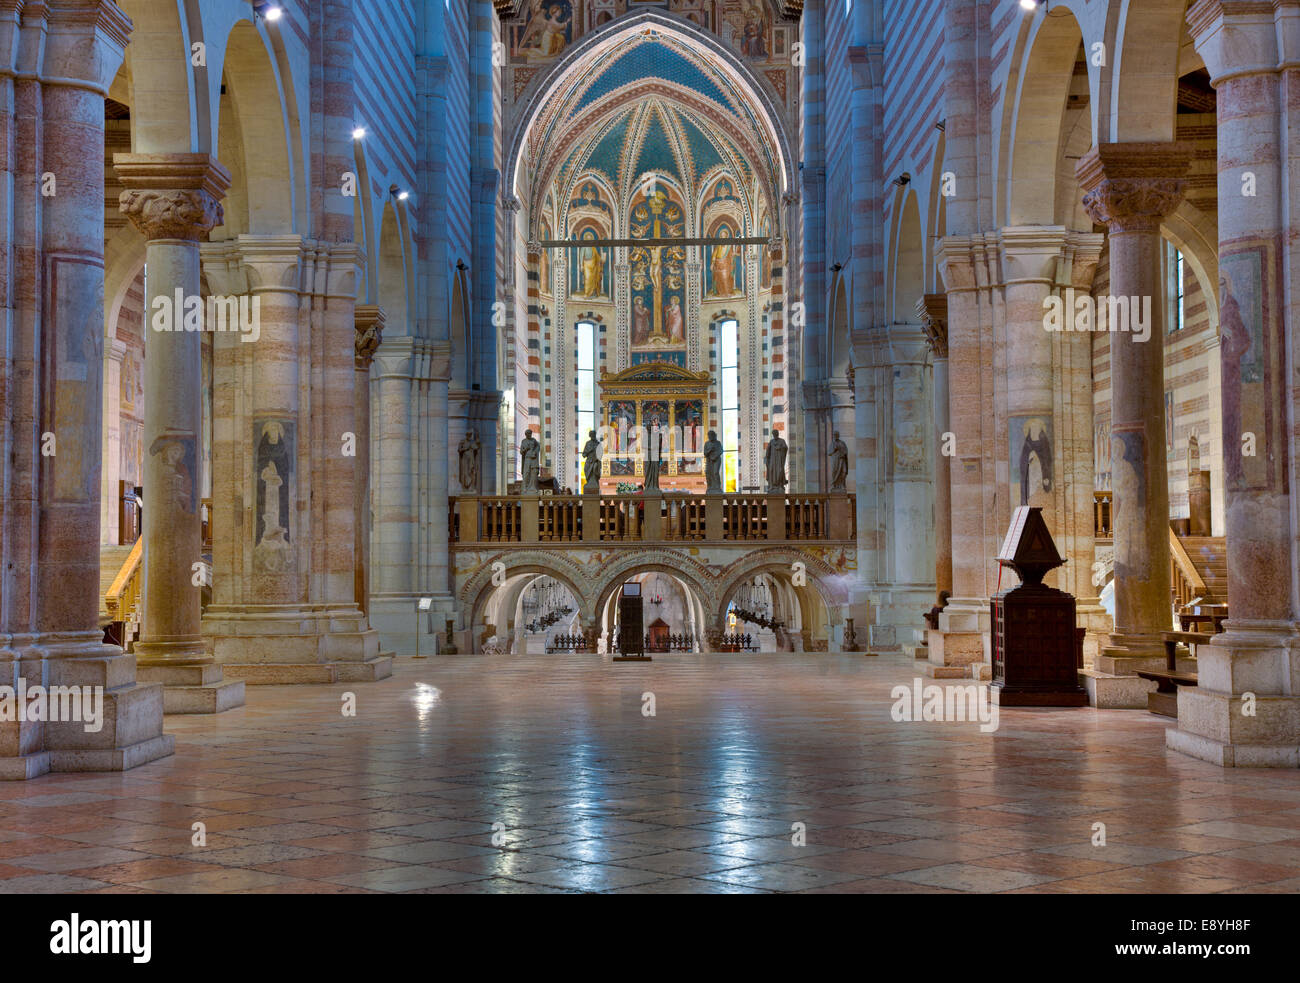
(713, 464)
(839, 456)
(591, 465)
(774, 462)
(469, 448)
(653, 454)
(530, 453)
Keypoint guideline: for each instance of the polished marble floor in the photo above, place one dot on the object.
(558, 759)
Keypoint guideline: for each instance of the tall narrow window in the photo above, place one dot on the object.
(1177, 291)
(729, 361)
(586, 389)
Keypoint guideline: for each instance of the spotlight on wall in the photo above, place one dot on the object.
(359, 133)
(267, 10)
(903, 180)
(836, 267)
(403, 195)
(1028, 4)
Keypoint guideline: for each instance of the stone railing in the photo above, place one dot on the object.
(651, 518)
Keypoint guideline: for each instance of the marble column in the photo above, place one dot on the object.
(1130, 188)
(59, 59)
(1245, 710)
(933, 311)
(283, 607)
(173, 200)
(968, 267)
(109, 510)
(369, 334)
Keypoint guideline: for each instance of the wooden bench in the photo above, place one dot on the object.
(1164, 700)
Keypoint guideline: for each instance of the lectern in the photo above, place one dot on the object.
(631, 631)
(1034, 648)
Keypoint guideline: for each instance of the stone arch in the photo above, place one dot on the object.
(462, 338)
(839, 340)
(831, 585)
(393, 282)
(168, 113)
(694, 575)
(1033, 121)
(474, 593)
(258, 144)
(766, 101)
(1143, 86)
(907, 285)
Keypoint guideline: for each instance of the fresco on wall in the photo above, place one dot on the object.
(589, 273)
(544, 262)
(725, 273)
(1252, 352)
(546, 30)
(658, 274)
(1032, 469)
(273, 469)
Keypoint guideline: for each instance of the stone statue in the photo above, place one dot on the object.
(1193, 455)
(591, 465)
(653, 455)
(713, 464)
(839, 456)
(530, 453)
(469, 448)
(774, 464)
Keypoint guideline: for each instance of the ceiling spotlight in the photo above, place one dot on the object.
(359, 133)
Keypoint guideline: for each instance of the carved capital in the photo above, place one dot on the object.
(172, 196)
(1132, 187)
(179, 214)
(369, 321)
(933, 311)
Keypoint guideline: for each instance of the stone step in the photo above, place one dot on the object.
(209, 698)
(380, 667)
(1111, 692)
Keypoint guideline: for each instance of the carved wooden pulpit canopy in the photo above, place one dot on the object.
(1028, 548)
(632, 402)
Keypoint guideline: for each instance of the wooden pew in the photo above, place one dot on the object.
(1164, 700)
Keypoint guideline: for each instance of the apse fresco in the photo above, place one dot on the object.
(658, 279)
(589, 272)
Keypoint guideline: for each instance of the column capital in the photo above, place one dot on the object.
(172, 196)
(253, 262)
(1031, 252)
(70, 24)
(932, 309)
(1240, 37)
(1132, 187)
(369, 320)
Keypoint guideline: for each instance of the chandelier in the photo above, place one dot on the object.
(545, 604)
(753, 604)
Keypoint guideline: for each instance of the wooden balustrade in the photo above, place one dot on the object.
(500, 520)
(124, 595)
(1101, 515)
(1185, 582)
(559, 519)
(651, 518)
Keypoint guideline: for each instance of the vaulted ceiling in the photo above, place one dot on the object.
(652, 104)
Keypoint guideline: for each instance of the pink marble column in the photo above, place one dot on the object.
(369, 335)
(53, 278)
(933, 310)
(1245, 710)
(1130, 188)
(174, 200)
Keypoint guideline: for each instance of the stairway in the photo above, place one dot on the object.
(1209, 554)
(111, 559)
